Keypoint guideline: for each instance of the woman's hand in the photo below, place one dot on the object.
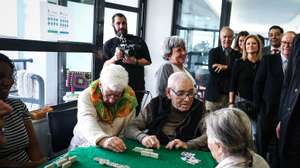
(4, 109)
(114, 143)
(33, 164)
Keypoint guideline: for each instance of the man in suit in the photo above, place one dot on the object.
(275, 35)
(288, 129)
(219, 64)
(267, 90)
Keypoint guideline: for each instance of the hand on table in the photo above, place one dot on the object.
(151, 141)
(114, 143)
(219, 67)
(176, 143)
(33, 164)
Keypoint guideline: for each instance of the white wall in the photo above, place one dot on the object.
(158, 26)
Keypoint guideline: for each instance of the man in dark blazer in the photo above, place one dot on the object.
(219, 64)
(288, 128)
(267, 90)
(275, 35)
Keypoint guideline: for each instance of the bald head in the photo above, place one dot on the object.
(181, 91)
(177, 78)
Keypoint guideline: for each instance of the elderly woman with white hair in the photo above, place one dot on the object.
(229, 138)
(175, 53)
(104, 110)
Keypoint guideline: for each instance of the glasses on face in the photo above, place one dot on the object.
(111, 94)
(286, 43)
(183, 94)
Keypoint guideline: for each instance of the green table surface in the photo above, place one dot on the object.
(167, 158)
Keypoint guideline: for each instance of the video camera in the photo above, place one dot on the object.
(128, 47)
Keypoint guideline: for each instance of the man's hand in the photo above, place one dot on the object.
(4, 109)
(151, 141)
(114, 143)
(118, 55)
(219, 67)
(130, 60)
(176, 143)
(278, 130)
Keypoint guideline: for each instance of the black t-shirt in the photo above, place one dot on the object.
(242, 78)
(136, 72)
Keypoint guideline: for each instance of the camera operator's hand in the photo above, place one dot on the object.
(118, 55)
(130, 60)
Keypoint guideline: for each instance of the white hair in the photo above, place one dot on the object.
(169, 43)
(232, 128)
(115, 77)
(178, 77)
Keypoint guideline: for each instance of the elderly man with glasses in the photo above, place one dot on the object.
(172, 120)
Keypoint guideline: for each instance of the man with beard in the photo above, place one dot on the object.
(129, 51)
(275, 35)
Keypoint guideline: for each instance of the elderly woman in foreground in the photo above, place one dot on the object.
(175, 53)
(104, 109)
(229, 139)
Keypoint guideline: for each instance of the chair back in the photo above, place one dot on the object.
(61, 125)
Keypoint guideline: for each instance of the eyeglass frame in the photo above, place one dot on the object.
(115, 96)
(287, 43)
(184, 94)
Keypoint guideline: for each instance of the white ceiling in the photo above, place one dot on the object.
(252, 15)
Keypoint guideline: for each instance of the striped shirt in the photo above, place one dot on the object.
(15, 132)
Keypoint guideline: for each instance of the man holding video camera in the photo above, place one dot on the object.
(129, 51)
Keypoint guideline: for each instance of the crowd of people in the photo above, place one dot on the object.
(249, 117)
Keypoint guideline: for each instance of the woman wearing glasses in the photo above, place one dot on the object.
(175, 53)
(104, 109)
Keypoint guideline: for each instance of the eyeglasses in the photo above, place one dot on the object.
(183, 94)
(111, 94)
(286, 43)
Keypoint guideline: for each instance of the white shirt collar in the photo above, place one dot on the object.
(283, 58)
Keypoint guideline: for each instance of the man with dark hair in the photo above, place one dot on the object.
(275, 35)
(129, 51)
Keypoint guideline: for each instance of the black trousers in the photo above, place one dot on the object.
(266, 140)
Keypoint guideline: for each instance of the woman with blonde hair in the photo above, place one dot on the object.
(243, 74)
